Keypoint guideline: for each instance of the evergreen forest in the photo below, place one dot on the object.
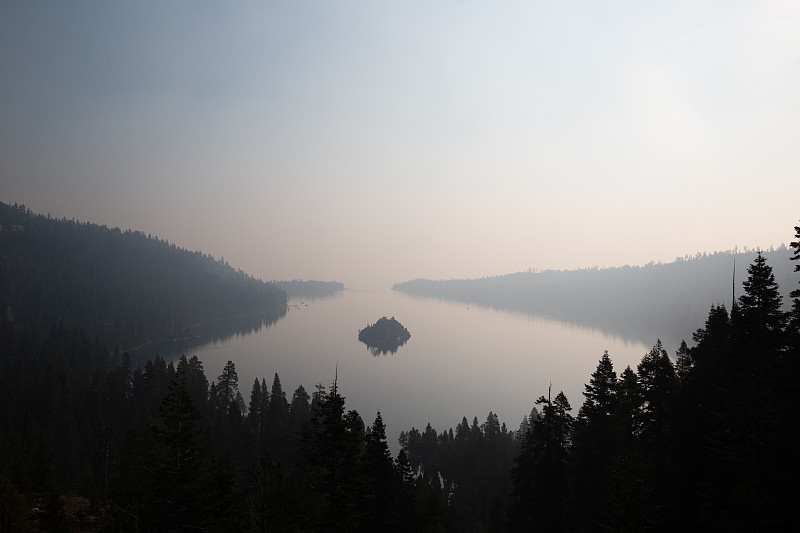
(703, 439)
(310, 288)
(616, 300)
(128, 288)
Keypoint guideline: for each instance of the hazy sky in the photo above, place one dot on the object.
(391, 140)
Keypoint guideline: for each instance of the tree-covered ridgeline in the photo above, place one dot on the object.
(617, 300)
(309, 288)
(704, 439)
(127, 287)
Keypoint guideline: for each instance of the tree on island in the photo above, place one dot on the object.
(385, 335)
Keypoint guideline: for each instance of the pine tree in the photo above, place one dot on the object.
(227, 386)
(156, 382)
(333, 453)
(761, 322)
(405, 500)
(178, 463)
(263, 421)
(595, 440)
(683, 362)
(240, 404)
(381, 479)
(540, 489)
(688, 430)
(762, 339)
(404, 470)
(277, 421)
(656, 377)
(709, 436)
(299, 410)
(254, 411)
(622, 506)
(196, 383)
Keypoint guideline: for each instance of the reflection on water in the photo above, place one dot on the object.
(212, 332)
(460, 362)
(378, 350)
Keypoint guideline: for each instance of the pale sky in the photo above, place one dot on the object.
(364, 141)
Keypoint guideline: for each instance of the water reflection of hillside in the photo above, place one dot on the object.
(631, 327)
(297, 302)
(658, 301)
(211, 332)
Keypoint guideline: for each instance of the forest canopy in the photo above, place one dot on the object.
(701, 440)
(127, 287)
(309, 288)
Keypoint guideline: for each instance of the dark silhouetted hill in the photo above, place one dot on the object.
(126, 287)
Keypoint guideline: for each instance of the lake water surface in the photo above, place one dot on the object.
(461, 361)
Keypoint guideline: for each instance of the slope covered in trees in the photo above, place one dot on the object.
(309, 288)
(662, 300)
(127, 287)
(702, 441)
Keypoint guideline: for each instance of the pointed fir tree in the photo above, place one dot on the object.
(683, 362)
(299, 410)
(760, 332)
(227, 386)
(688, 433)
(197, 383)
(263, 422)
(539, 486)
(381, 480)
(622, 506)
(333, 453)
(254, 410)
(178, 464)
(761, 321)
(277, 420)
(657, 382)
(595, 441)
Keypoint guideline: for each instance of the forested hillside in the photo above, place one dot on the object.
(127, 287)
(310, 288)
(664, 301)
(704, 440)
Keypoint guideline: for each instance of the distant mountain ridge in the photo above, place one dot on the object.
(664, 300)
(310, 287)
(126, 287)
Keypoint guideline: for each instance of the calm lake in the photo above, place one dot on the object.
(461, 361)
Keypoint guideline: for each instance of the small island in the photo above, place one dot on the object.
(384, 336)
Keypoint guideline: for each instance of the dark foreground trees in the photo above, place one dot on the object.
(704, 440)
(541, 490)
